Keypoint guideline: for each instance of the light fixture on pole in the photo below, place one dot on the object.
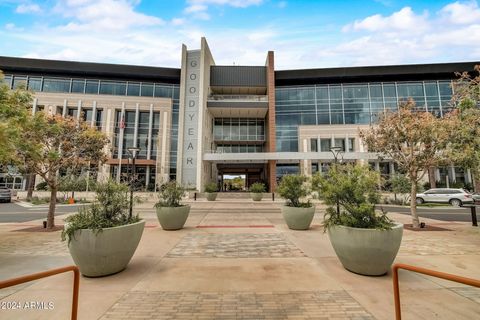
(336, 151)
(133, 152)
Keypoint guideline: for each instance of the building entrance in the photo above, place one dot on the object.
(239, 177)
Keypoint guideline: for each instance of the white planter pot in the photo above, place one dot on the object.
(366, 251)
(106, 252)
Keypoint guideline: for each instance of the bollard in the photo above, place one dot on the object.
(273, 196)
(44, 224)
(195, 196)
(473, 211)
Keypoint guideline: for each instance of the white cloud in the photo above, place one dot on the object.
(103, 14)
(177, 21)
(198, 8)
(405, 19)
(28, 8)
(231, 3)
(461, 12)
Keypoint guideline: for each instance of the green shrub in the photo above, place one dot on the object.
(257, 187)
(42, 186)
(294, 187)
(110, 209)
(170, 195)
(211, 187)
(355, 188)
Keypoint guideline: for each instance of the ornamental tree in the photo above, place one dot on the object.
(464, 148)
(414, 140)
(49, 144)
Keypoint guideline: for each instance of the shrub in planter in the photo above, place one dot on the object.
(211, 191)
(297, 214)
(366, 242)
(256, 191)
(103, 237)
(171, 214)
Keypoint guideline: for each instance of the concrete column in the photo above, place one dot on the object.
(79, 109)
(163, 156)
(150, 126)
(135, 132)
(120, 142)
(93, 121)
(468, 176)
(451, 173)
(64, 111)
(34, 105)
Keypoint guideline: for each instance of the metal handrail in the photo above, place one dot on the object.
(245, 97)
(44, 274)
(428, 272)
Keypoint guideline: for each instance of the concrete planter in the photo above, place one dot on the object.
(298, 218)
(106, 252)
(211, 196)
(369, 252)
(173, 218)
(256, 196)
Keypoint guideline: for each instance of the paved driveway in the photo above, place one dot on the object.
(13, 212)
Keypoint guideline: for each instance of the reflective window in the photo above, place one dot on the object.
(113, 88)
(19, 81)
(91, 87)
(78, 86)
(361, 103)
(147, 90)
(56, 85)
(133, 89)
(35, 83)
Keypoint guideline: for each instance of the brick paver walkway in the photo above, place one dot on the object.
(333, 304)
(244, 245)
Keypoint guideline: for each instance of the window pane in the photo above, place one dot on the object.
(133, 89)
(113, 88)
(78, 86)
(92, 87)
(147, 90)
(35, 84)
(56, 85)
(18, 81)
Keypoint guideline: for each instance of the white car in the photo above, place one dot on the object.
(456, 197)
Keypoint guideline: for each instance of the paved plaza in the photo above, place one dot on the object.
(238, 260)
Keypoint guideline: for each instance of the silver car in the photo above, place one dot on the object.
(5, 195)
(456, 197)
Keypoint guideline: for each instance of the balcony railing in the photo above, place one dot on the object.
(245, 97)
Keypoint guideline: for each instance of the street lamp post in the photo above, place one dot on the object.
(337, 151)
(133, 152)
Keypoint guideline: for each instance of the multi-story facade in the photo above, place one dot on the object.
(203, 121)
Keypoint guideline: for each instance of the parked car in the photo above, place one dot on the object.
(5, 195)
(456, 197)
(476, 197)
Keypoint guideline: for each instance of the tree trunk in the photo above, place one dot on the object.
(51, 208)
(30, 186)
(431, 177)
(413, 205)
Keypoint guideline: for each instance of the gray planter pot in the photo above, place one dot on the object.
(298, 218)
(256, 196)
(106, 252)
(173, 218)
(211, 196)
(369, 252)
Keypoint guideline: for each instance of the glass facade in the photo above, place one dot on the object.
(238, 129)
(91, 86)
(350, 104)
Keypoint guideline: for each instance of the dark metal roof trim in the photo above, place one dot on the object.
(89, 70)
(410, 72)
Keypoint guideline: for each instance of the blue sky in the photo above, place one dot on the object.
(303, 34)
